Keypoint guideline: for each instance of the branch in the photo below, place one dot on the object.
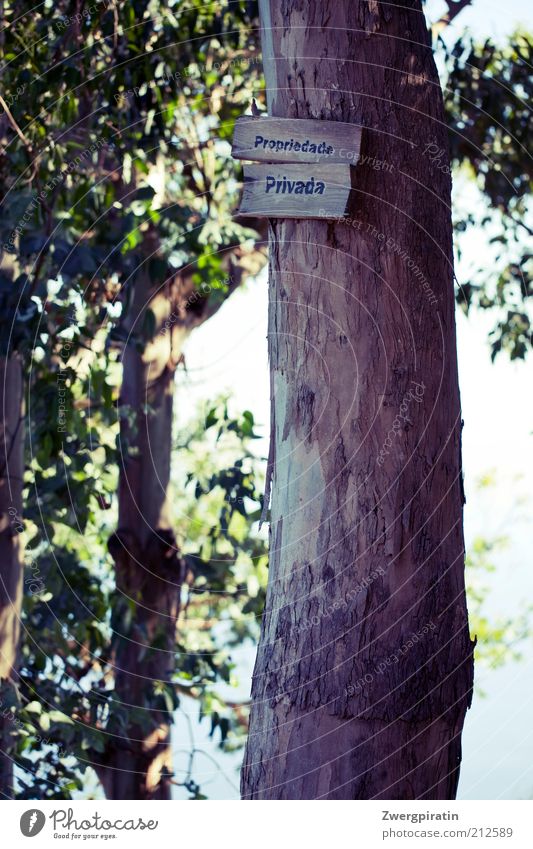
(195, 693)
(455, 7)
(519, 222)
(14, 124)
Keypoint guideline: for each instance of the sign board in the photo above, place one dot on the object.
(295, 191)
(296, 140)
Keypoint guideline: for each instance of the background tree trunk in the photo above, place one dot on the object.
(364, 669)
(148, 569)
(11, 549)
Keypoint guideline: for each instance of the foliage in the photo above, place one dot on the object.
(227, 559)
(488, 89)
(66, 682)
(498, 640)
(131, 93)
(114, 128)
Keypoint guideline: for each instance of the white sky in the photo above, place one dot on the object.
(485, 17)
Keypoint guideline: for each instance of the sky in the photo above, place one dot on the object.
(484, 17)
(229, 353)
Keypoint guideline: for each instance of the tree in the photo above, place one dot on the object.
(116, 217)
(364, 669)
(117, 236)
(65, 715)
(149, 569)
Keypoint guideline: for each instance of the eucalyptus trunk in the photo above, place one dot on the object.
(364, 669)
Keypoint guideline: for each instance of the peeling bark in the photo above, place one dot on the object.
(364, 669)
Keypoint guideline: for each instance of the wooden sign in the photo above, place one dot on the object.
(296, 140)
(295, 191)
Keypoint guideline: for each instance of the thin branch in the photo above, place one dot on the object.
(14, 124)
(213, 761)
(520, 223)
(455, 7)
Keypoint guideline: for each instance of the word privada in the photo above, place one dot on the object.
(323, 149)
(284, 186)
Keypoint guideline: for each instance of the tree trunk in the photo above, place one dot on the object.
(364, 670)
(11, 549)
(148, 569)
